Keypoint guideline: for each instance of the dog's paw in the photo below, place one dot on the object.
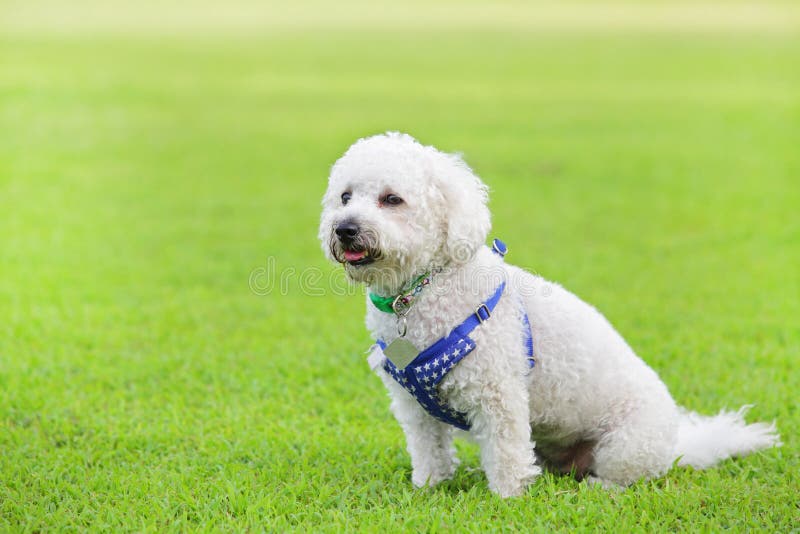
(422, 478)
(515, 486)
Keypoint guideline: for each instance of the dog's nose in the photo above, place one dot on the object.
(347, 231)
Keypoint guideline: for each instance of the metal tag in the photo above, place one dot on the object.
(401, 352)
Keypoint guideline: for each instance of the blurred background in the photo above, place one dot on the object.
(154, 155)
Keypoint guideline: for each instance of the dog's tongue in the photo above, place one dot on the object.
(352, 255)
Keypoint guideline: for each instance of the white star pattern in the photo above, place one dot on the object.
(422, 380)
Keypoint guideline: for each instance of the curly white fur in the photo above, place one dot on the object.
(589, 406)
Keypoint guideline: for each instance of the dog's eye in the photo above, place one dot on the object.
(391, 200)
(346, 197)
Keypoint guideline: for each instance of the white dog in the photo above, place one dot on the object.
(526, 366)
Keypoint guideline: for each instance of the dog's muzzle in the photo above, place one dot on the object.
(352, 244)
(347, 232)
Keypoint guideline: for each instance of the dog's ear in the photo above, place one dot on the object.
(467, 216)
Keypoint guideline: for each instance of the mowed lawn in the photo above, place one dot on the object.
(176, 354)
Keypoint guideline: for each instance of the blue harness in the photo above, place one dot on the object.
(422, 376)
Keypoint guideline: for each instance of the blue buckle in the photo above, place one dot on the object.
(499, 247)
(486, 313)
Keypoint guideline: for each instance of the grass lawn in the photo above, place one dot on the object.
(154, 163)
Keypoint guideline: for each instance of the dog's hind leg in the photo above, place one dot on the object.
(640, 446)
(429, 441)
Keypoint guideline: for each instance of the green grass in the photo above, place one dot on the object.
(147, 171)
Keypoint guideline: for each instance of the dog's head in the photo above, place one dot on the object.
(395, 208)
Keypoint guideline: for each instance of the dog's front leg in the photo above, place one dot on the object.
(502, 429)
(429, 441)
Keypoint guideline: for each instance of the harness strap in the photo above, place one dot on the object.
(500, 248)
(422, 376)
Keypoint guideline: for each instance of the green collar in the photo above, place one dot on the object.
(401, 303)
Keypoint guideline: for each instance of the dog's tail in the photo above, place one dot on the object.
(704, 441)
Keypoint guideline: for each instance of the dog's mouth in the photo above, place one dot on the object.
(358, 257)
(358, 251)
